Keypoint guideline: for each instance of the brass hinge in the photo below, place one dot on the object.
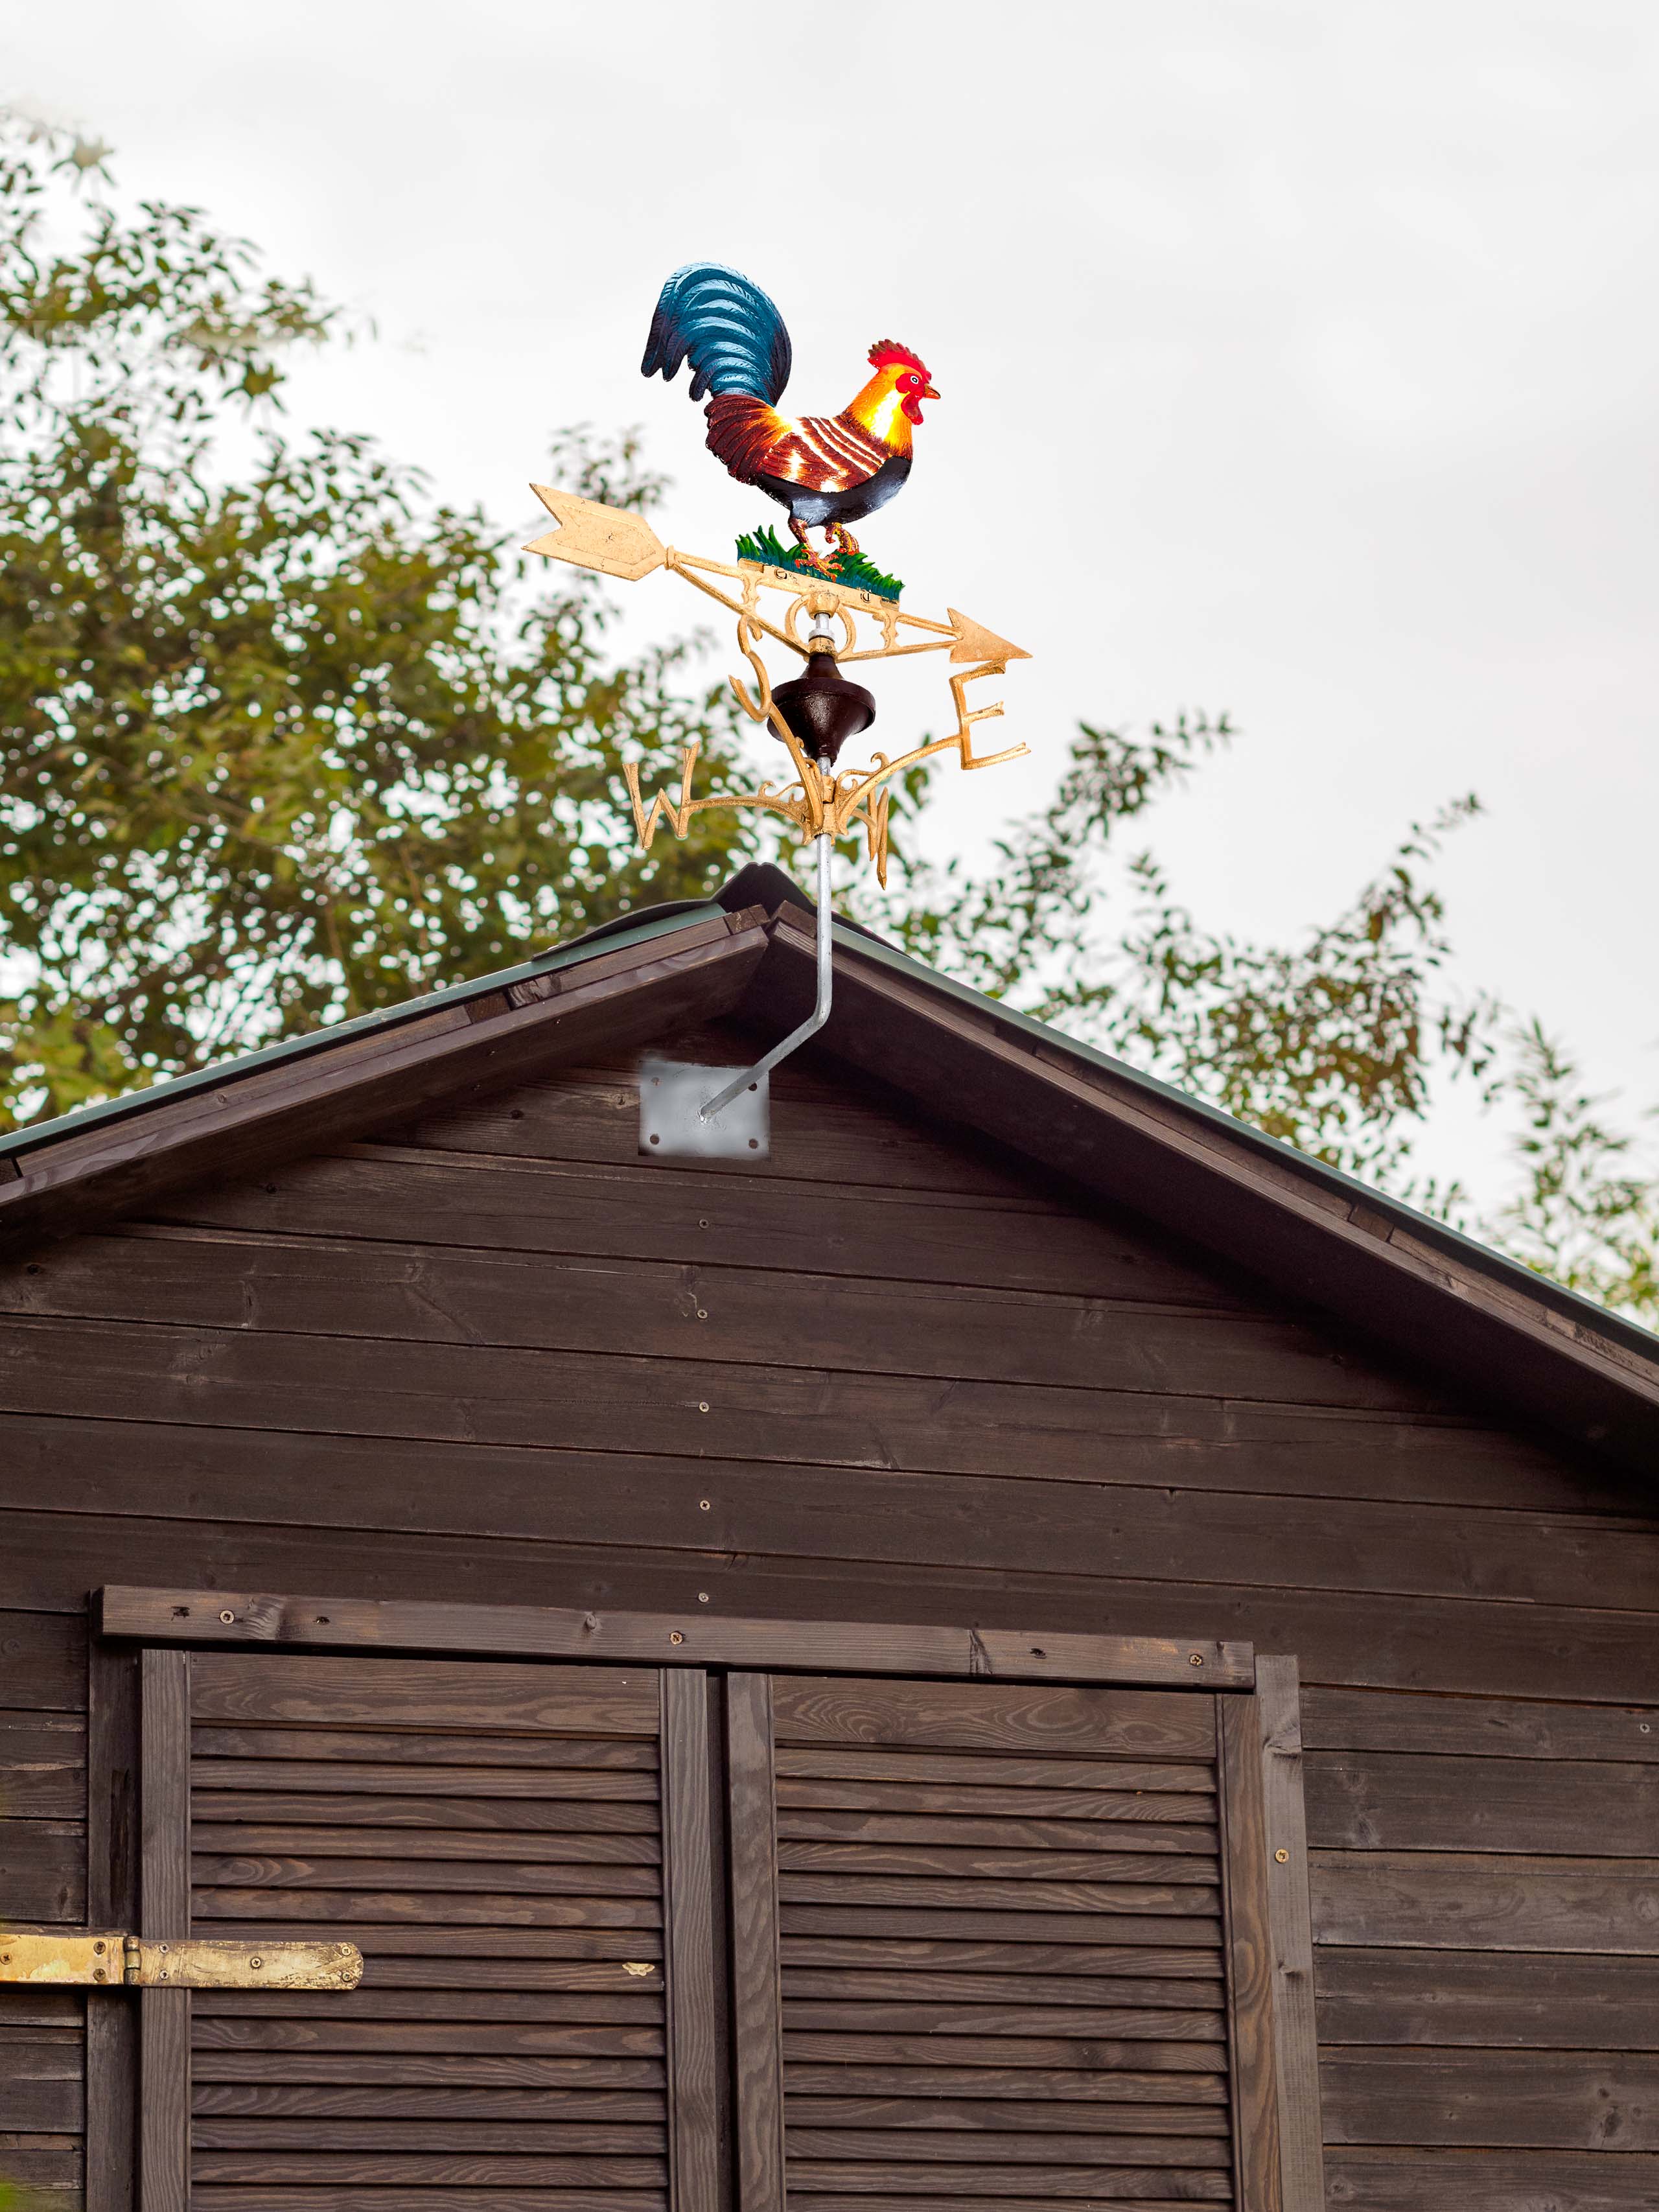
(118, 1961)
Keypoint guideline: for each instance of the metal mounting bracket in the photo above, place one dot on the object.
(117, 1961)
(680, 1118)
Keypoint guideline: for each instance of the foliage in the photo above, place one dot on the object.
(855, 569)
(1587, 1213)
(281, 749)
(1332, 1044)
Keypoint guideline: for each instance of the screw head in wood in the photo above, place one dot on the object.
(228, 1618)
(674, 1636)
(1283, 1857)
(1194, 1658)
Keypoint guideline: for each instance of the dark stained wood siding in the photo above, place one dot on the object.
(891, 1374)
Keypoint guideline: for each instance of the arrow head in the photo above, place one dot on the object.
(592, 535)
(975, 643)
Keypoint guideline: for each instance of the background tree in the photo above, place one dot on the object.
(286, 741)
(282, 746)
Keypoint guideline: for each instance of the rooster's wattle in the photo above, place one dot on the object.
(828, 469)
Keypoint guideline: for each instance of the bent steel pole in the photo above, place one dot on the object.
(820, 1013)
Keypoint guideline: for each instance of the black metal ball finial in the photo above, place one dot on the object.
(822, 708)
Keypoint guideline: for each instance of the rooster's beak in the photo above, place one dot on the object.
(930, 393)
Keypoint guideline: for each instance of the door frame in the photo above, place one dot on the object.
(1279, 2159)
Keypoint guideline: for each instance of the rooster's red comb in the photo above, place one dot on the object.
(885, 353)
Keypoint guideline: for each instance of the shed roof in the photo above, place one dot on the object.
(1522, 1345)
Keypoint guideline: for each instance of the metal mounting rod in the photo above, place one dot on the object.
(820, 1013)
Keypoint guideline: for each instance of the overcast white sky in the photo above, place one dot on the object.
(1298, 359)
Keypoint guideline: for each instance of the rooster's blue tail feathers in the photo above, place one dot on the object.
(732, 335)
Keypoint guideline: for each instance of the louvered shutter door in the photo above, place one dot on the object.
(494, 1838)
(992, 1934)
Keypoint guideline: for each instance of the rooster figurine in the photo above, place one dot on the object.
(828, 469)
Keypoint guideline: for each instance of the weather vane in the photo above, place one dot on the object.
(828, 472)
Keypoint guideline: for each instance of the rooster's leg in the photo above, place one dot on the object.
(820, 561)
(846, 546)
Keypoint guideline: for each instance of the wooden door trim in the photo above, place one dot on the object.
(164, 1908)
(263, 1619)
(757, 1988)
(689, 1967)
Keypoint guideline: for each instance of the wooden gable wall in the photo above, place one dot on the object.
(884, 1375)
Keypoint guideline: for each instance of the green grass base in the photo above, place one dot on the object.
(764, 545)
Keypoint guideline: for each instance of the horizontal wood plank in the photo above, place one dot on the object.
(437, 2069)
(464, 1906)
(856, 2178)
(418, 2132)
(598, 1820)
(1004, 2149)
(1389, 1801)
(1105, 1830)
(210, 1835)
(1148, 2055)
(1446, 1901)
(1052, 1962)
(1531, 2000)
(333, 2166)
(1082, 1930)
(554, 2111)
(1477, 1728)
(524, 1877)
(346, 2196)
(959, 1783)
(992, 1716)
(1491, 2181)
(629, 2001)
(886, 2120)
(1548, 2099)
(336, 1692)
(1031, 1899)
(1095, 2084)
(917, 1985)
(890, 2017)
(549, 1631)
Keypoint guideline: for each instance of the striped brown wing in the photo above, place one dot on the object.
(490, 1837)
(1001, 1947)
(822, 453)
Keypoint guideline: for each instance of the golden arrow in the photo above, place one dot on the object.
(590, 535)
(975, 642)
(614, 542)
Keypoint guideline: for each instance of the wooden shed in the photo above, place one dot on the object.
(1031, 1648)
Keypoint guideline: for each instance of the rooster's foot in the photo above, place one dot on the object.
(821, 562)
(846, 546)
